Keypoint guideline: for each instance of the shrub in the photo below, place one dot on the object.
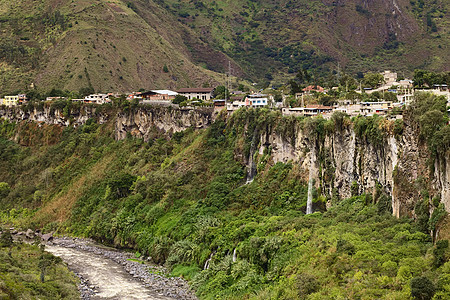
(306, 284)
(439, 253)
(344, 246)
(422, 288)
(6, 239)
(4, 189)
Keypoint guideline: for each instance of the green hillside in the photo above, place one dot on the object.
(125, 45)
(183, 201)
(103, 45)
(270, 38)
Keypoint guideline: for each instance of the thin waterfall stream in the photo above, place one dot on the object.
(309, 209)
(251, 168)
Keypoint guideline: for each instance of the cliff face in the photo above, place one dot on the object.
(54, 116)
(140, 123)
(341, 163)
(143, 122)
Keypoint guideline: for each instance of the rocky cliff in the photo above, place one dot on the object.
(139, 122)
(341, 162)
(142, 122)
(52, 115)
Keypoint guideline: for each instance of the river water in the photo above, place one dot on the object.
(110, 279)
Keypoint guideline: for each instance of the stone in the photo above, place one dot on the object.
(29, 234)
(47, 237)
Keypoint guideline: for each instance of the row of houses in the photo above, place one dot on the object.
(361, 108)
(204, 94)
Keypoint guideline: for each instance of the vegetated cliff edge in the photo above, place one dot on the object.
(138, 123)
(345, 157)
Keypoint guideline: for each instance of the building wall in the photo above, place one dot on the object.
(11, 100)
(159, 97)
(201, 96)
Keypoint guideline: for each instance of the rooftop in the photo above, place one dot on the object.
(315, 106)
(165, 92)
(195, 90)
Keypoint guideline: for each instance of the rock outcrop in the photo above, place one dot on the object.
(345, 164)
(143, 122)
(54, 116)
(397, 167)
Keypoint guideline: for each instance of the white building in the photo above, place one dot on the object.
(11, 100)
(256, 100)
(375, 108)
(197, 93)
(309, 111)
(97, 98)
(389, 77)
(235, 105)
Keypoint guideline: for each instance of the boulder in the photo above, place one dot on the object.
(29, 234)
(48, 237)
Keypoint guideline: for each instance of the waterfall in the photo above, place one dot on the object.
(251, 168)
(207, 262)
(234, 255)
(394, 151)
(394, 157)
(309, 209)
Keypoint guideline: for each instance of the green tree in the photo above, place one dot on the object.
(178, 99)
(347, 82)
(439, 253)
(46, 261)
(422, 288)
(295, 87)
(4, 189)
(384, 204)
(303, 76)
(220, 92)
(431, 122)
(373, 80)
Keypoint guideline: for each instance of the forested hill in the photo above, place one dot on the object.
(127, 45)
(186, 198)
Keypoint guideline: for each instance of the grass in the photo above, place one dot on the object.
(20, 276)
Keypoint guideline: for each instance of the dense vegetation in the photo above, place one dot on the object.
(184, 202)
(26, 272)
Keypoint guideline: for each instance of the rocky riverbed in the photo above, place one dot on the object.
(107, 273)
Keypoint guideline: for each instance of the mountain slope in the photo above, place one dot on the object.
(291, 34)
(125, 45)
(104, 45)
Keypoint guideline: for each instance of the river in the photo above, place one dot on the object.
(111, 275)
